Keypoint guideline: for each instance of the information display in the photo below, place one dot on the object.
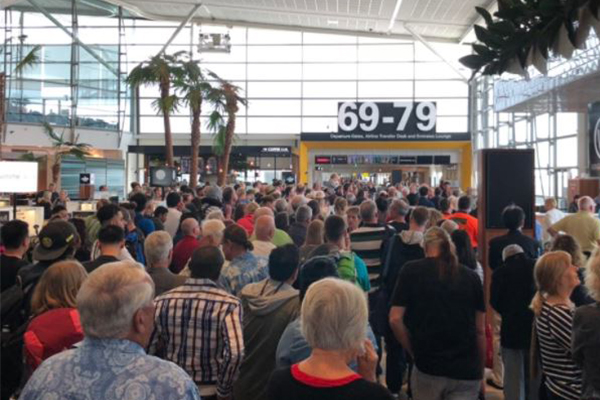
(18, 176)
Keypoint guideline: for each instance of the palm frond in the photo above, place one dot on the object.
(215, 121)
(166, 105)
(29, 60)
(49, 130)
(219, 140)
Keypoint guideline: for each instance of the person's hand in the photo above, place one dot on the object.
(367, 362)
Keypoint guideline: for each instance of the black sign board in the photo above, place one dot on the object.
(594, 115)
(407, 160)
(339, 159)
(85, 179)
(322, 159)
(424, 160)
(384, 136)
(288, 178)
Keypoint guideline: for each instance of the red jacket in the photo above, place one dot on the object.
(183, 252)
(50, 333)
(467, 223)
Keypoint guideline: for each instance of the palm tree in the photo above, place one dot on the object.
(162, 70)
(193, 88)
(225, 99)
(64, 148)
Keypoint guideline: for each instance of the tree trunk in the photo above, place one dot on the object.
(164, 93)
(229, 132)
(195, 147)
(56, 173)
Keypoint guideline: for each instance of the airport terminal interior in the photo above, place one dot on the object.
(300, 199)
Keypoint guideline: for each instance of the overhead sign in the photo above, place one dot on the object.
(275, 150)
(387, 121)
(392, 117)
(18, 176)
(322, 159)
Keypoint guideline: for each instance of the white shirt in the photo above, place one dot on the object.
(550, 218)
(172, 222)
(262, 248)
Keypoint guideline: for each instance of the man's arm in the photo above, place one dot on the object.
(400, 330)
(230, 359)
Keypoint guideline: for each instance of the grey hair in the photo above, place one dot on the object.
(110, 297)
(399, 207)
(281, 206)
(334, 315)
(216, 215)
(298, 201)
(368, 210)
(303, 214)
(157, 247)
(214, 228)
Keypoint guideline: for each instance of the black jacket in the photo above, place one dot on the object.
(512, 290)
(497, 244)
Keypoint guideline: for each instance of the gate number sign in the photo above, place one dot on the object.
(387, 117)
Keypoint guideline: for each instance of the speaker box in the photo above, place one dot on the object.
(162, 176)
(508, 177)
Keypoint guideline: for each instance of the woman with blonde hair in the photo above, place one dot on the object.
(340, 206)
(315, 235)
(569, 244)
(55, 325)
(555, 278)
(586, 333)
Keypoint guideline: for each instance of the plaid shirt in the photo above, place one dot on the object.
(198, 327)
(242, 270)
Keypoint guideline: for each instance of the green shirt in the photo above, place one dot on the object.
(281, 238)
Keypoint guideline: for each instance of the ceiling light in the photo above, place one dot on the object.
(333, 22)
(394, 16)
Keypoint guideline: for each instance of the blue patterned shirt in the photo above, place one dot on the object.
(109, 369)
(243, 270)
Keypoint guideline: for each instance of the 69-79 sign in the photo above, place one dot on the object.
(388, 117)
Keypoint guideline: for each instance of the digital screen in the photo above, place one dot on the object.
(339, 159)
(323, 160)
(18, 176)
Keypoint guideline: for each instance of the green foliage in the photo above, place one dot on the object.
(29, 60)
(523, 26)
(64, 147)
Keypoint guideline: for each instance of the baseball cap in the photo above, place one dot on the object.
(54, 239)
(511, 250)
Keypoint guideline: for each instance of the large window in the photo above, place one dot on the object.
(293, 80)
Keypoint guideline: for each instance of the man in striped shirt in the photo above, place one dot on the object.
(198, 327)
(367, 240)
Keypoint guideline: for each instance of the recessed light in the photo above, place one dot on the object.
(332, 22)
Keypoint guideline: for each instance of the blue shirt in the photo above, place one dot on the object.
(145, 224)
(362, 273)
(293, 348)
(109, 369)
(242, 270)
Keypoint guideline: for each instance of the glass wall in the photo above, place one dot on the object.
(292, 79)
(552, 135)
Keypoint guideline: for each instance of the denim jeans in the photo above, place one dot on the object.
(516, 374)
(429, 387)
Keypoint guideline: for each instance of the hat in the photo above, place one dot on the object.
(511, 250)
(54, 239)
(213, 192)
(270, 190)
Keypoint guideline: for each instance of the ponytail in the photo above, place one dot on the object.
(537, 303)
(447, 261)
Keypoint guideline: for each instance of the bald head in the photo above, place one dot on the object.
(264, 228)
(190, 227)
(263, 211)
(586, 203)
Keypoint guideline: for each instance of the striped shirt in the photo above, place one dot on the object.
(198, 327)
(554, 327)
(367, 242)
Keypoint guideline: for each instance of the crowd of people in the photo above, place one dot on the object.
(295, 292)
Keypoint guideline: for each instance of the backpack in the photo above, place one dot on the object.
(12, 304)
(346, 267)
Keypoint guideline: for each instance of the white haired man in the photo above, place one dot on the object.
(158, 249)
(583, 226)
(116, 307)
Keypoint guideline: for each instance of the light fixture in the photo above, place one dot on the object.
(394, 16)
(333, 22)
